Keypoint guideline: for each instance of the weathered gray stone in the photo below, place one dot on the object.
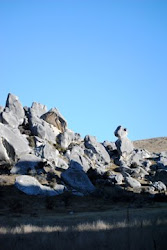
(161, 175)
(162, 163)
(41, 128)
(97, 148)
(13, 114)
(15, 143)
(116, 178)
(159, 186)
(48, 152)
(38, 109)
(67, 137)
(25, 163)
(124, 147)
(45, 150)
(1, 109)
(123, 144)
(4, 158)
(54, 117)
(29, 185)
(59, 188)
(132, 182)
(76, 178)
(121, 132)
(111, 145)
(77, 154)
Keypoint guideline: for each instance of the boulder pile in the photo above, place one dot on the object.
(47, 158)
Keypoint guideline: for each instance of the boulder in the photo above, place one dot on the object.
(123, 144)
(38, 109)
(59, 188)
(77, 155)
(13, 114)
(14, 143)
(132, 182)
(116, 178)
(97, 148)
(161, 175)
(76, 178)
(159, 186)
(4, 158)
(67, 137)
(29, 185)
(41, 128)
(25, 163)
(48, 152)
(56, 119)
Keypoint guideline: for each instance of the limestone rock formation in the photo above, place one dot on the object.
(76, 178)
(13, 114)
(48, 158)
(123, 144)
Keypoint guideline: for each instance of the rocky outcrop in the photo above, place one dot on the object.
(123, 144)
(76, 178)
(13, 114)
(47, 157)
(96, 148)
(12, 143)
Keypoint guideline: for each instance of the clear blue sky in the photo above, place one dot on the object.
(102, 63)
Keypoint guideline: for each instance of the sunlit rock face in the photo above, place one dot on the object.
(48, 158)
(123, 144)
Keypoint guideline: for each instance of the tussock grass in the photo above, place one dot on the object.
(98, 234)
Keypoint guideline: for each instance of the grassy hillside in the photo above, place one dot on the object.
(156, 145)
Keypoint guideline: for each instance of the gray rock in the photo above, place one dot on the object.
(76, 178)
(1, 109)
(111, 145)
(116, 178)
(14, 143)
(132, 182)
(123, 144)
(161, 175)
(25, 163)
(67, 137)
(54, 117)
(4, 158)
(121, 132)
(124, 147)
(162, 163)
(77, 154)
(13, 114)
(29, 185)
(45, 150)
(41, 128)
(159, 186)
(48, 152)
(38, 109)
(59, 188)
(97, 148)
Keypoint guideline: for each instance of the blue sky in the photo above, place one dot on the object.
(101, 63)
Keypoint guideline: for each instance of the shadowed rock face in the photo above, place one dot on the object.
(56, 119)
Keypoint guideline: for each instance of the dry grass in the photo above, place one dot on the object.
(128, 233)
(156, 145)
